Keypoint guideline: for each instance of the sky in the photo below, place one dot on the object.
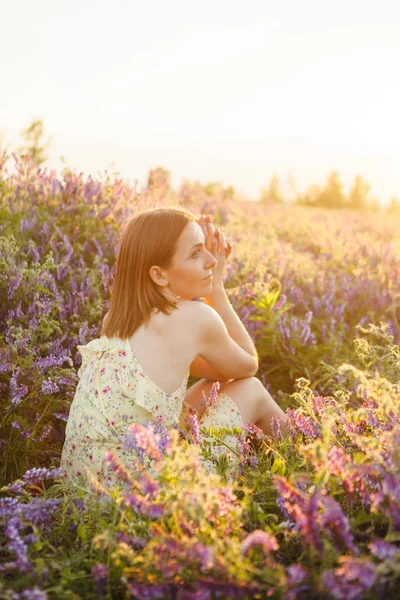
(233, 91)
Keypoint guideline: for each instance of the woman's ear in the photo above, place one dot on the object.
(157, 276)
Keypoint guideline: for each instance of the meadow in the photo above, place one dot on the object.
(315, 515)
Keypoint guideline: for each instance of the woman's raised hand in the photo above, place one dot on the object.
(217, 244)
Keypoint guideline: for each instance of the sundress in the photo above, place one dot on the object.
(113, 392)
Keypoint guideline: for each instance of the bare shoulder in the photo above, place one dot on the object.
(196, 314)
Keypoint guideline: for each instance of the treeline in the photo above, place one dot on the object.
(330, 196)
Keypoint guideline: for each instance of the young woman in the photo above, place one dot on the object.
(154, 336)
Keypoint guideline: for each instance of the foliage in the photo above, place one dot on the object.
(314, 515)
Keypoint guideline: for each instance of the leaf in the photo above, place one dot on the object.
(278, 466)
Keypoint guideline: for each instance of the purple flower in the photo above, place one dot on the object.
(194, 423)
(49, 387)
(117, 467)
(383, 550)
(100, 574)
(352, 580)
(149, 591)
(149, 485)
(32, 594)
(37, 475)
(261, 538)
(212, 396)
(337, 526)
(146, 439)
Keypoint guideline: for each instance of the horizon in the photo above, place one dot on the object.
(212, 93)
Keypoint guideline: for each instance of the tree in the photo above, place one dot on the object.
(273, 192)
(35, 148)
(394, 205)
(358, 196)
(159, 179)
(332, 195)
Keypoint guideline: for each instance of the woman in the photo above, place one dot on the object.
(154, 336)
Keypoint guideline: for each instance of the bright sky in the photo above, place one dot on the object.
(216, 90)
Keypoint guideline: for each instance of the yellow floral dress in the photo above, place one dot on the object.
(113, 391)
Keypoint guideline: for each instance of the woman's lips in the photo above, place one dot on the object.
(209, 277)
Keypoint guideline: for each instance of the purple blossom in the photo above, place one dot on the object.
(149, 485)
(146, 439)
(117, 467)
(49, 387)
(37, 475)
(337, 526)
(153, 510)
(352, 580)
(261, 538)
(303, 424)
(143, 592)
(194, 423)
(32, 594)
(100, 574)
(17, 545)
(212, 398)
(383, 550)
(17, 392)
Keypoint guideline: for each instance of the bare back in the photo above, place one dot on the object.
(166, 348)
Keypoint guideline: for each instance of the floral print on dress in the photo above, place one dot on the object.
(113, 391)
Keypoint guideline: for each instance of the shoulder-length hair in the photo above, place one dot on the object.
(148, 239)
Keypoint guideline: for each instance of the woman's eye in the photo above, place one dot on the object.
(196, 253)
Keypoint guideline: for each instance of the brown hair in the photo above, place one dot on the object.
(148, 239)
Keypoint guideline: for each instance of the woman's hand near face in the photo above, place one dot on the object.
(218, 246)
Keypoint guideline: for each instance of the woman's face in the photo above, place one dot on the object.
(191, 265)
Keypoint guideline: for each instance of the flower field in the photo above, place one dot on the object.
(316, 515)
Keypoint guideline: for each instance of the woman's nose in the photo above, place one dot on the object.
(211, 261)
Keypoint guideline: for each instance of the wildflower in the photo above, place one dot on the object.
(149, 485)
(261, 538)
(117, 467)
(146, 439)
(383, 550)
(212, 398)
(18, 546)
(194, 423)
(295, 577)
(336, 525)
(100, 574)
(276, 428)
(49, 387)
(32, 594)
(254, 430)
(352, 580)
(37, 475)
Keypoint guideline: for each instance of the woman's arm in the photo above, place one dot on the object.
(218, 300)
(201, 368)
